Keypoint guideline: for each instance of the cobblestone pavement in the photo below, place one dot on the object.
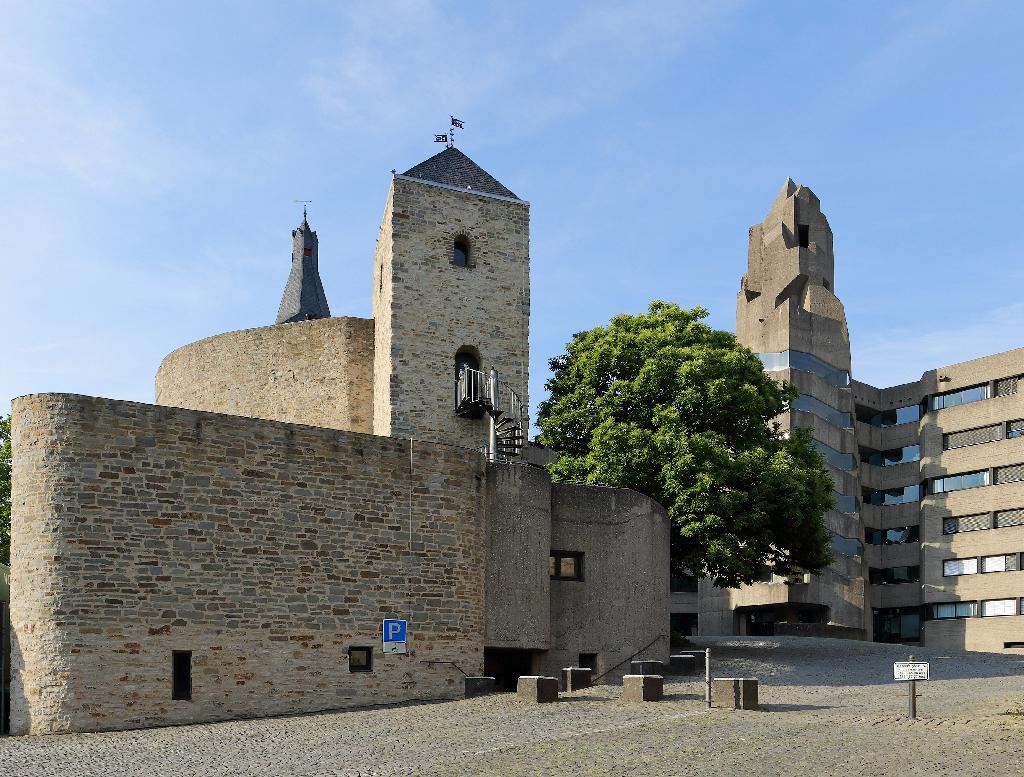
(829, 709)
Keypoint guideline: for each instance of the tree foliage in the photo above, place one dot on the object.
(5, 490)
(664, 404)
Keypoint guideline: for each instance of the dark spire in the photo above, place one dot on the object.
(304, 297)
(453, 168)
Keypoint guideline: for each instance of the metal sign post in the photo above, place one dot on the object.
(707, 676)
(910, 672)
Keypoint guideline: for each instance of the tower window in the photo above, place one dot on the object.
(460, 252)
(804, 234)
(181, 675)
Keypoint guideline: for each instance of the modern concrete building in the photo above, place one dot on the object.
(928, 526)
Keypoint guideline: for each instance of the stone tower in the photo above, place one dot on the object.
(451, 284)
(788, 313)
(303, 298)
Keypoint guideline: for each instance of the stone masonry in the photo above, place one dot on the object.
(317, 372)
(426, 308)
(266, 549)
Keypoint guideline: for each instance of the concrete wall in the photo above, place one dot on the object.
(622, 604)
(518, 546)
(318, 373)
(265, 548)
(426, 308)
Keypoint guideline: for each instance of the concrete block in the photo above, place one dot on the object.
(537, 690)
(646, 667)
(643, 687)
(735, 693)
(480, 686)
(683, 663)
(576, 677)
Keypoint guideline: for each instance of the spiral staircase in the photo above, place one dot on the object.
(476, 393)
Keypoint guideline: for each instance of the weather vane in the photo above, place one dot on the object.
(449, 138)
(304, 204)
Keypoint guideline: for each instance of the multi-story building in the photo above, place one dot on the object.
(928, 526)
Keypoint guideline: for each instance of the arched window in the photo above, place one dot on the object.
(460, 252)
(465, 359)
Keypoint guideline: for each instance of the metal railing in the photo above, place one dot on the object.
(477, 392)
(630, 658)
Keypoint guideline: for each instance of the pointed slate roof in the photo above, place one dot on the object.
(303, 297)
(453, 168)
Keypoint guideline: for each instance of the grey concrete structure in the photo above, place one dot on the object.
(928, 528)
(735, 693)
(643, 687)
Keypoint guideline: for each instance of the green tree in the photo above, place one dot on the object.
(5, 490)
(664, 404)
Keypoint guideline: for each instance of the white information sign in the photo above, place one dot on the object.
(910, 670)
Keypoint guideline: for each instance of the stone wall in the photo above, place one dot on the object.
(266, 549)
(622, 604)
(318, 373)
(426, 308)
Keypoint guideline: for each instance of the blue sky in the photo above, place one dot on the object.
(150, 154)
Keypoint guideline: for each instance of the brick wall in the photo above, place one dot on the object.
(267, 549)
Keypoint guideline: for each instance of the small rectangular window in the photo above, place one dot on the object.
(1012, 473)
(954, 567)
(360, 659)
(994, 607)
(967, 523)
(953, 610)
(1014, 517)
(961, 397)
(588, 661)
(565, 565)
(804, 234)
(181, 675)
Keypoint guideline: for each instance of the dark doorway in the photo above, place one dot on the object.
(506, 665)
(761, 623)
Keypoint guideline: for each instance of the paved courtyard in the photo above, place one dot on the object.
(829, 708)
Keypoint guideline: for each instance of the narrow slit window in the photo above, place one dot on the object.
(181, 675)
(460, 252)
(804, 235)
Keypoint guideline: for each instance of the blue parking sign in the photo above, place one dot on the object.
(394, 635)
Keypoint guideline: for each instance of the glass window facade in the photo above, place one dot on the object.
(1002, 563)
(894, 417)
(891, 458)
(897, 624)
(894, 575)
(954, 610)
(893, 496)
(961, 397)
(832, 456)
(967, 523)
(994, 607)
(809, 404)
(844, 546)
(896, 536)
(954, 567)
(959, 482)
(797, 360)
(844, 503)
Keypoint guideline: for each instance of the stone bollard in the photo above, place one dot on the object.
(643, 687)
(646, 667)
(736, 693)
(683, 663)
(537, 690)
(575, 678)
(480, 686)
